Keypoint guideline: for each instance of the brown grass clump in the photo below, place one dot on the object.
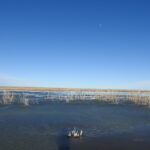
(7, 98)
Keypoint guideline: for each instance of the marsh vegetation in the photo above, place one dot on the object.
(9, 97)
(36, 97)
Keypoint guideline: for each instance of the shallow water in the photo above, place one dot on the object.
(44, 127)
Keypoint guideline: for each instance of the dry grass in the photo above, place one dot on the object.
(23, 100)
(9, 98)
(13, 88)
(139, 98)
(109, 97)
(113, 98)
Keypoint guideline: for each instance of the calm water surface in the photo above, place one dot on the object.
(105, 126)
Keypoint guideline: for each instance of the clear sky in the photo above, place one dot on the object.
(75, 43)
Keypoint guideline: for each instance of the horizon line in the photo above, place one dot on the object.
(36, 88)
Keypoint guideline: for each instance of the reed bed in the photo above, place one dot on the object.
(110, 97)
(139, 98)
(8, 97)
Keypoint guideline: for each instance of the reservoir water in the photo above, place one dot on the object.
(44, 126)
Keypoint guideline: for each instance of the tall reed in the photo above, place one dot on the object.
(139, 98)
(7, 98)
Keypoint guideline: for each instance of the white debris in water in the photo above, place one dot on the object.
(75, 133)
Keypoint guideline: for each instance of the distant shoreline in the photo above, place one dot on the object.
(19, 88)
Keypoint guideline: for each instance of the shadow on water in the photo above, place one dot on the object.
(63, 141)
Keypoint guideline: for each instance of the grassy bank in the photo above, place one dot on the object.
(67, 89)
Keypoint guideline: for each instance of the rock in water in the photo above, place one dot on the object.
(75, 133)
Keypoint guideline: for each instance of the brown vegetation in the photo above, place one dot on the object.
(114, 96)
(14, 88)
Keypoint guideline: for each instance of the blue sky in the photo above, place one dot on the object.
(75, 43)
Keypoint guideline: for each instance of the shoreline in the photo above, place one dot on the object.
(24, 88)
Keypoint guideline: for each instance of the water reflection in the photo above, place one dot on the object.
(63, 141)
